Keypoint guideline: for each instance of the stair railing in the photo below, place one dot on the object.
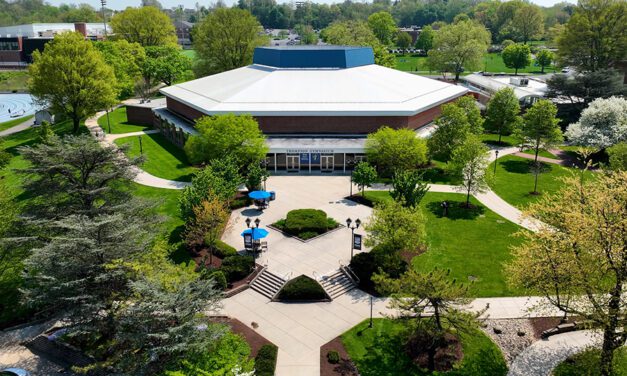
(263, 269)
(350, 274)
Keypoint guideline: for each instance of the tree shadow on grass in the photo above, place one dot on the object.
(524, 166)
(456, 210)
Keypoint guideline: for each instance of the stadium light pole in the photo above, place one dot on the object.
(104, 17)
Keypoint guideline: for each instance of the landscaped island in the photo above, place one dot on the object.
(306, 224)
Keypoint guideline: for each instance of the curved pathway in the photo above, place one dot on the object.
(18, 128)
(142, 177)
(543, 356)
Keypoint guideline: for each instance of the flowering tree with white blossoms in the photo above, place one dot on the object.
(602, 124)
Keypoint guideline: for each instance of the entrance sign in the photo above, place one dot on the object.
(315, 158)
(357, 242)
(304, 158)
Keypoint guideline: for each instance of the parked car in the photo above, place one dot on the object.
(14, 372)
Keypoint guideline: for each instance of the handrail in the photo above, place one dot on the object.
(316, 276)
(350, 274)
(263, 268)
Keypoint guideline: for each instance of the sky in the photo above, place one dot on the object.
(121, 4)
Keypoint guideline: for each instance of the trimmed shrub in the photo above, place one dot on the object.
(237, 267)
(223, 250)
(265, 361)
(219, 278)
(240, 202)
(308, 235)
(306, 220)
(333, 357)
(365, 264)
(302, 288)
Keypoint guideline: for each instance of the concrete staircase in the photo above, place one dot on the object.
(337, 284)
(267, 284)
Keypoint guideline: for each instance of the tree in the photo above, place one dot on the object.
(458, 47)
(75, 175)
(307, 34)
(618, 156)
(502, 112)
(594, 37)
(452, 130)
(357, 33)
(220, 179)
(468, 103)
(72, 78)
(602, 124)
(425, 39)
(383, 26)
(578, 260)
(256, 174)
(207, 224)
(541, 127)
(403, 40)
(395, 228)
(126, 59)
(528, 23)
(161, 327)
(544, 58)
(516, 56)
(147, 26)
(390, 149)
(165, 64)
(225, 40)
(470, 161)
(435, 301)
(364, 175)
(408, 188)
(221, 135)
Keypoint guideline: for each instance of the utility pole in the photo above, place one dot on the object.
(104, 17)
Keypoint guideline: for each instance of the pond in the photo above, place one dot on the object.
(13, 106)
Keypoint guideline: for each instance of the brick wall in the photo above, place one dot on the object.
(322, 124)
(140, 115)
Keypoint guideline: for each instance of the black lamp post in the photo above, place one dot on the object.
(496, 157)
(141, 149)
(252, 228)
(108, 121)
(352, 228)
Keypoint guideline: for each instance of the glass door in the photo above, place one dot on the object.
(326, 163)
(293, 163)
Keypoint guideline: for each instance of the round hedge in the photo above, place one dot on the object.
(302, 288)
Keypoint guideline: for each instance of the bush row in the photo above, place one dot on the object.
(265, 361)
(365, 264)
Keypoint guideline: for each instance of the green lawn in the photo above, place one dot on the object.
(493, 139)
(587, 363)
(380, 351)
(189, 53)
(163, 159)
(492, 62)
(473, 243)
(13, 81)
(119, 122)
(14, 122)
(514, 180)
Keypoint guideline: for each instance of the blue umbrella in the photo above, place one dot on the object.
(259, 195)
(258, 233)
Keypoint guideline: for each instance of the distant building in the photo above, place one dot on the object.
(184, 33)
(17, 43)
(527, 89)
(315, 104)
(413, 31)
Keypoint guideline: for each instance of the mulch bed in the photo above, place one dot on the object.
(344, 368)
(254, 339)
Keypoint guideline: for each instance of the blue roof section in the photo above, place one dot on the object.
(313, 56)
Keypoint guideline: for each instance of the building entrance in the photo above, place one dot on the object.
(326, 163)
(293, 163)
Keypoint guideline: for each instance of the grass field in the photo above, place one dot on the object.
(492, 62)
(14, 122)
(380, 351)
(514, 180)
(163, 159)
(189, 53)
(13, 81)
(473, 243)
(587, 363)
(119, 122)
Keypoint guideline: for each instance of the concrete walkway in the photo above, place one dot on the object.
(560, 162)
(543, 356)
(18, 128)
